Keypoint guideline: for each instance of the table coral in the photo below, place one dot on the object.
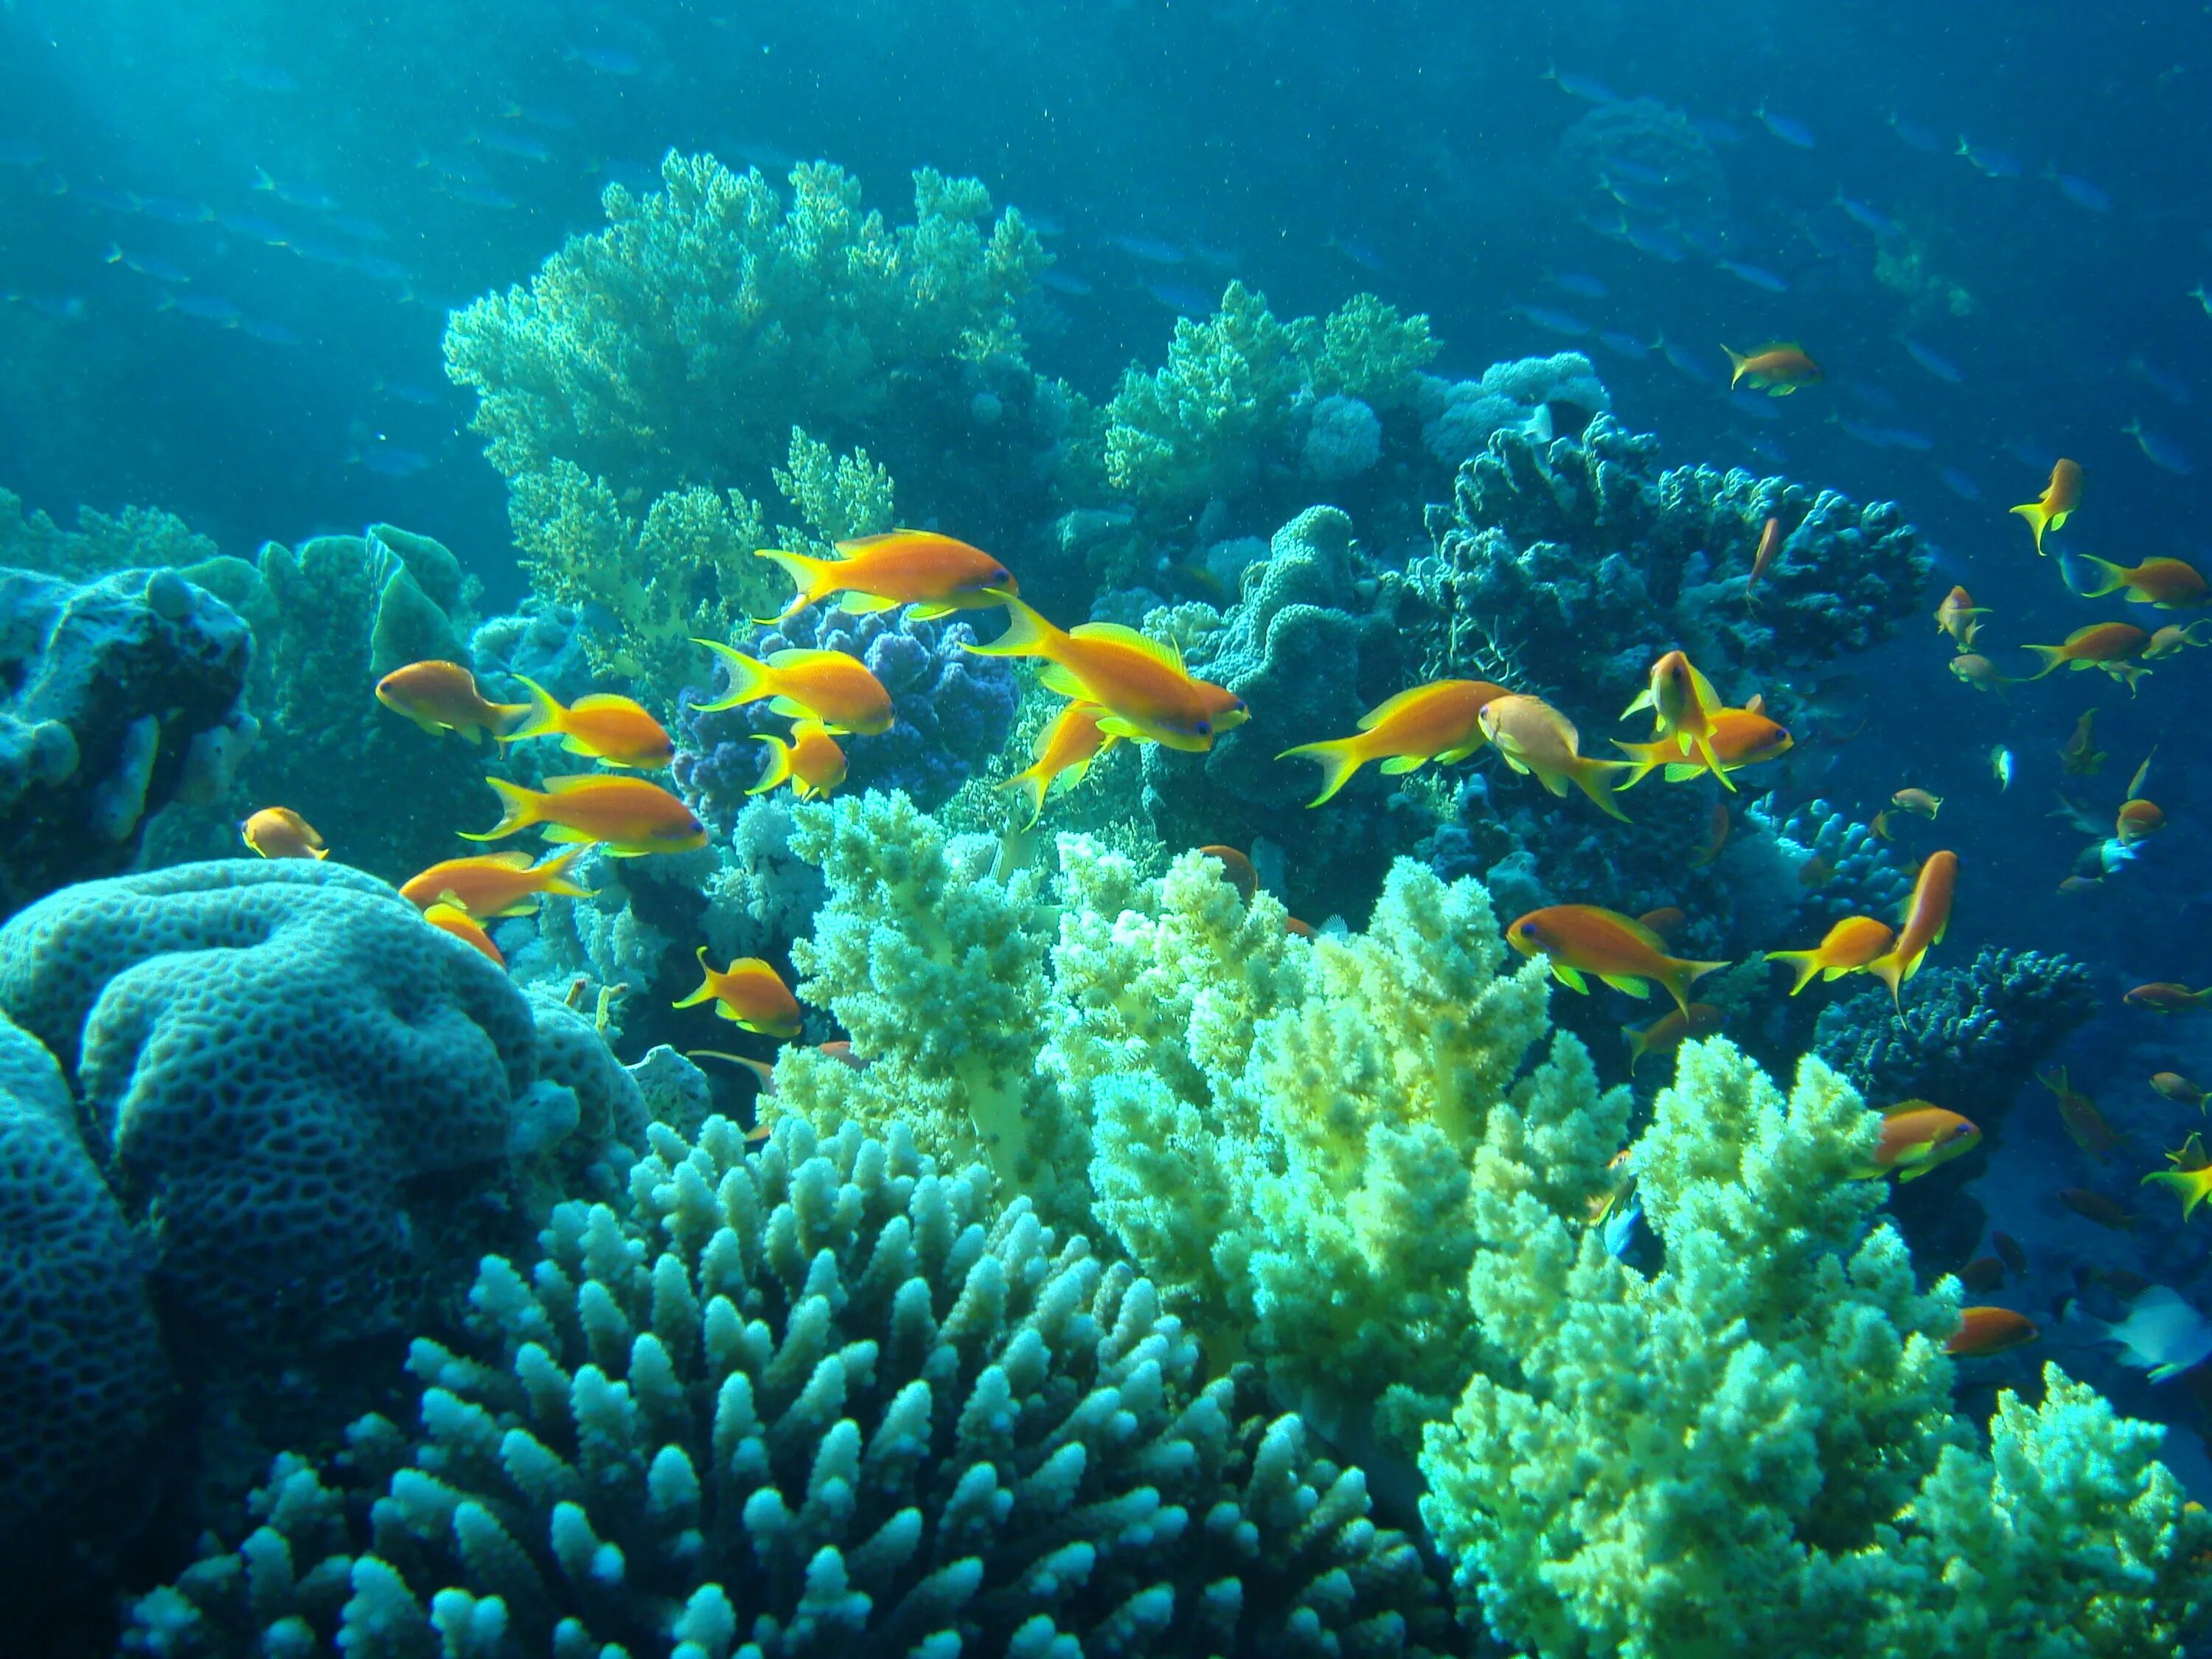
(117, 697)
(1685, 1463)
(818, 1397)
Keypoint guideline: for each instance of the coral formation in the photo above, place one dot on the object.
(98, 543)
(817, 1398)
(1688, 1463)
(953, 712)
(1567, 566)
(116, 698)
(1458, 417)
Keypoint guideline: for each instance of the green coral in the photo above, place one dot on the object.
(1751, 1448)
(137, 537)
(1365, 350)
(839, 496)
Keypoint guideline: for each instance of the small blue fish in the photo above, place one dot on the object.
(1920, 138)
(63, 307)
(1866, 217)
(548, 117)
(2079, 191)
(2167, 386)
(322, 253)
(1755, 276)
(1796, 134)
(1555, 322)
(1620, 1232)
(1581, 286)
(1587, 88)
(1990, 162)
(1627, 344)
(482, 196)
(1150, 250)
(1941, 368)
(1689, 363)
(1959, 483)
(457, 168)
(1657, 240)
(146, 266)
(2202, 298)
(519, 145)
(252, 226)
(171, 211)
(1876, 437)
(1062, 282)
(1904, 437)
(295, 192)
(108, 201)
(605, 60)
(269, 333)
(2161, 450)
(205, 307)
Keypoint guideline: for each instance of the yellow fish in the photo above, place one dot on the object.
(452, 919)
(1847, 948)
(812, 762)
(1439, 721)
(630, 816)
(1916, 1138)
(935, 575)
(835, 689)
(495, 884)
(605, 726)
(748, 993)
(1142, 684)
(1537, 740)
(1579, 939)
(278, 832)
(442, 697)
(1062, 754)
(1682, 701)
(2057, 503)
(1739, 737)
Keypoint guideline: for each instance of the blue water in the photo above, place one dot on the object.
(231, 234)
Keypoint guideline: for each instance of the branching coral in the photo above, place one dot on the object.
(813, 1400)
(97, 544)
(1750, 1449)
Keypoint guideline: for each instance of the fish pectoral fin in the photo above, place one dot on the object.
(1114, 725)
(1397, 765)
(1569, 977)
(856, 603)
(1682, 771)
(1626, 985)
(562, 832)
(1061, 681)
(1451, 755)
(930, 610)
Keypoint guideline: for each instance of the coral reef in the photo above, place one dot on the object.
(116, 698)
(814, 1399)
(1458, 417)
(88, 1383)
(1640, 151)
(1290, 1136)
(1687, 1463)
(1567, 567)
(953, 712)
(98, 543)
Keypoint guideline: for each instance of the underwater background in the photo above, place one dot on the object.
(1112, 1201)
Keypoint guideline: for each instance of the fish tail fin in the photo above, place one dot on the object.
(2109, 577)
(555, 871)
(750, 678)
(1644, 759)
(1031, 781)
(540, 717)
(1637, 1046)
(1681, 974)
(779, 763)
(1804, 963)
(1027, 635)
(1894, 970)
(817, 579)
(2036, 518)
(2052, 657)
(1338, 758)
(1736, 362)
(518, 809)
(706, 991)
(1589, 776)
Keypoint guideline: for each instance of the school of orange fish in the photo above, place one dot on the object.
(1120, 685)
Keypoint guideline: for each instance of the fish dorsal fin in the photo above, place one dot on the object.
(576, 781)
(1382, 711)
(860, 544)
(1130, 639)
(1644, 934)
(1904, 1107)
(1757, 705)
(800, 656)
(605, 699)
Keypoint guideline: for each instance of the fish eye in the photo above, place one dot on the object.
(1204, 729)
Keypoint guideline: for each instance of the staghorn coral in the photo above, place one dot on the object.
(1751, 1449)
(813, 1398)
(1566, 567)
(117, 697)
(1290, 1136)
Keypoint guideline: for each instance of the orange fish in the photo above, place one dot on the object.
(1537, 740)
(2169, 584)
(2083, 1122)
(748, 993)
(628, 815)
(1683, 704)
(1980, 672)
(1062, 754)
(1846, 948)
(1960, 617)
(933, 574)
(1619, 949)
(1985, 1331)
(1665, 921)
(1670, 1030)
(2138, 818)
(1927, 914)
(1982, 1275)
(278, 832)
(452, 919)
(1303, 929)
(1439, 721)
(835, 689)
(2111, 647)
(2168, 641)
(1917, 801)
(812, 762)
(2059, 499)
(2095, 1206)
(1716, 835)
(1770, 540)
(2079, 756)
(2178, 1088)
(495, 884)
(2009, 1251)
(1815, 873)
(1146, 692)
(1739, 737)
(2164, 997)
(2079, 883)
(442, 697)
(1235, 869)
(1917, 1137)
(603, 725)
(1778, 369)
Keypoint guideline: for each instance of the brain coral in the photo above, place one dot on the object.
(287, 1077)
(818, 1400)
(85, 1379)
